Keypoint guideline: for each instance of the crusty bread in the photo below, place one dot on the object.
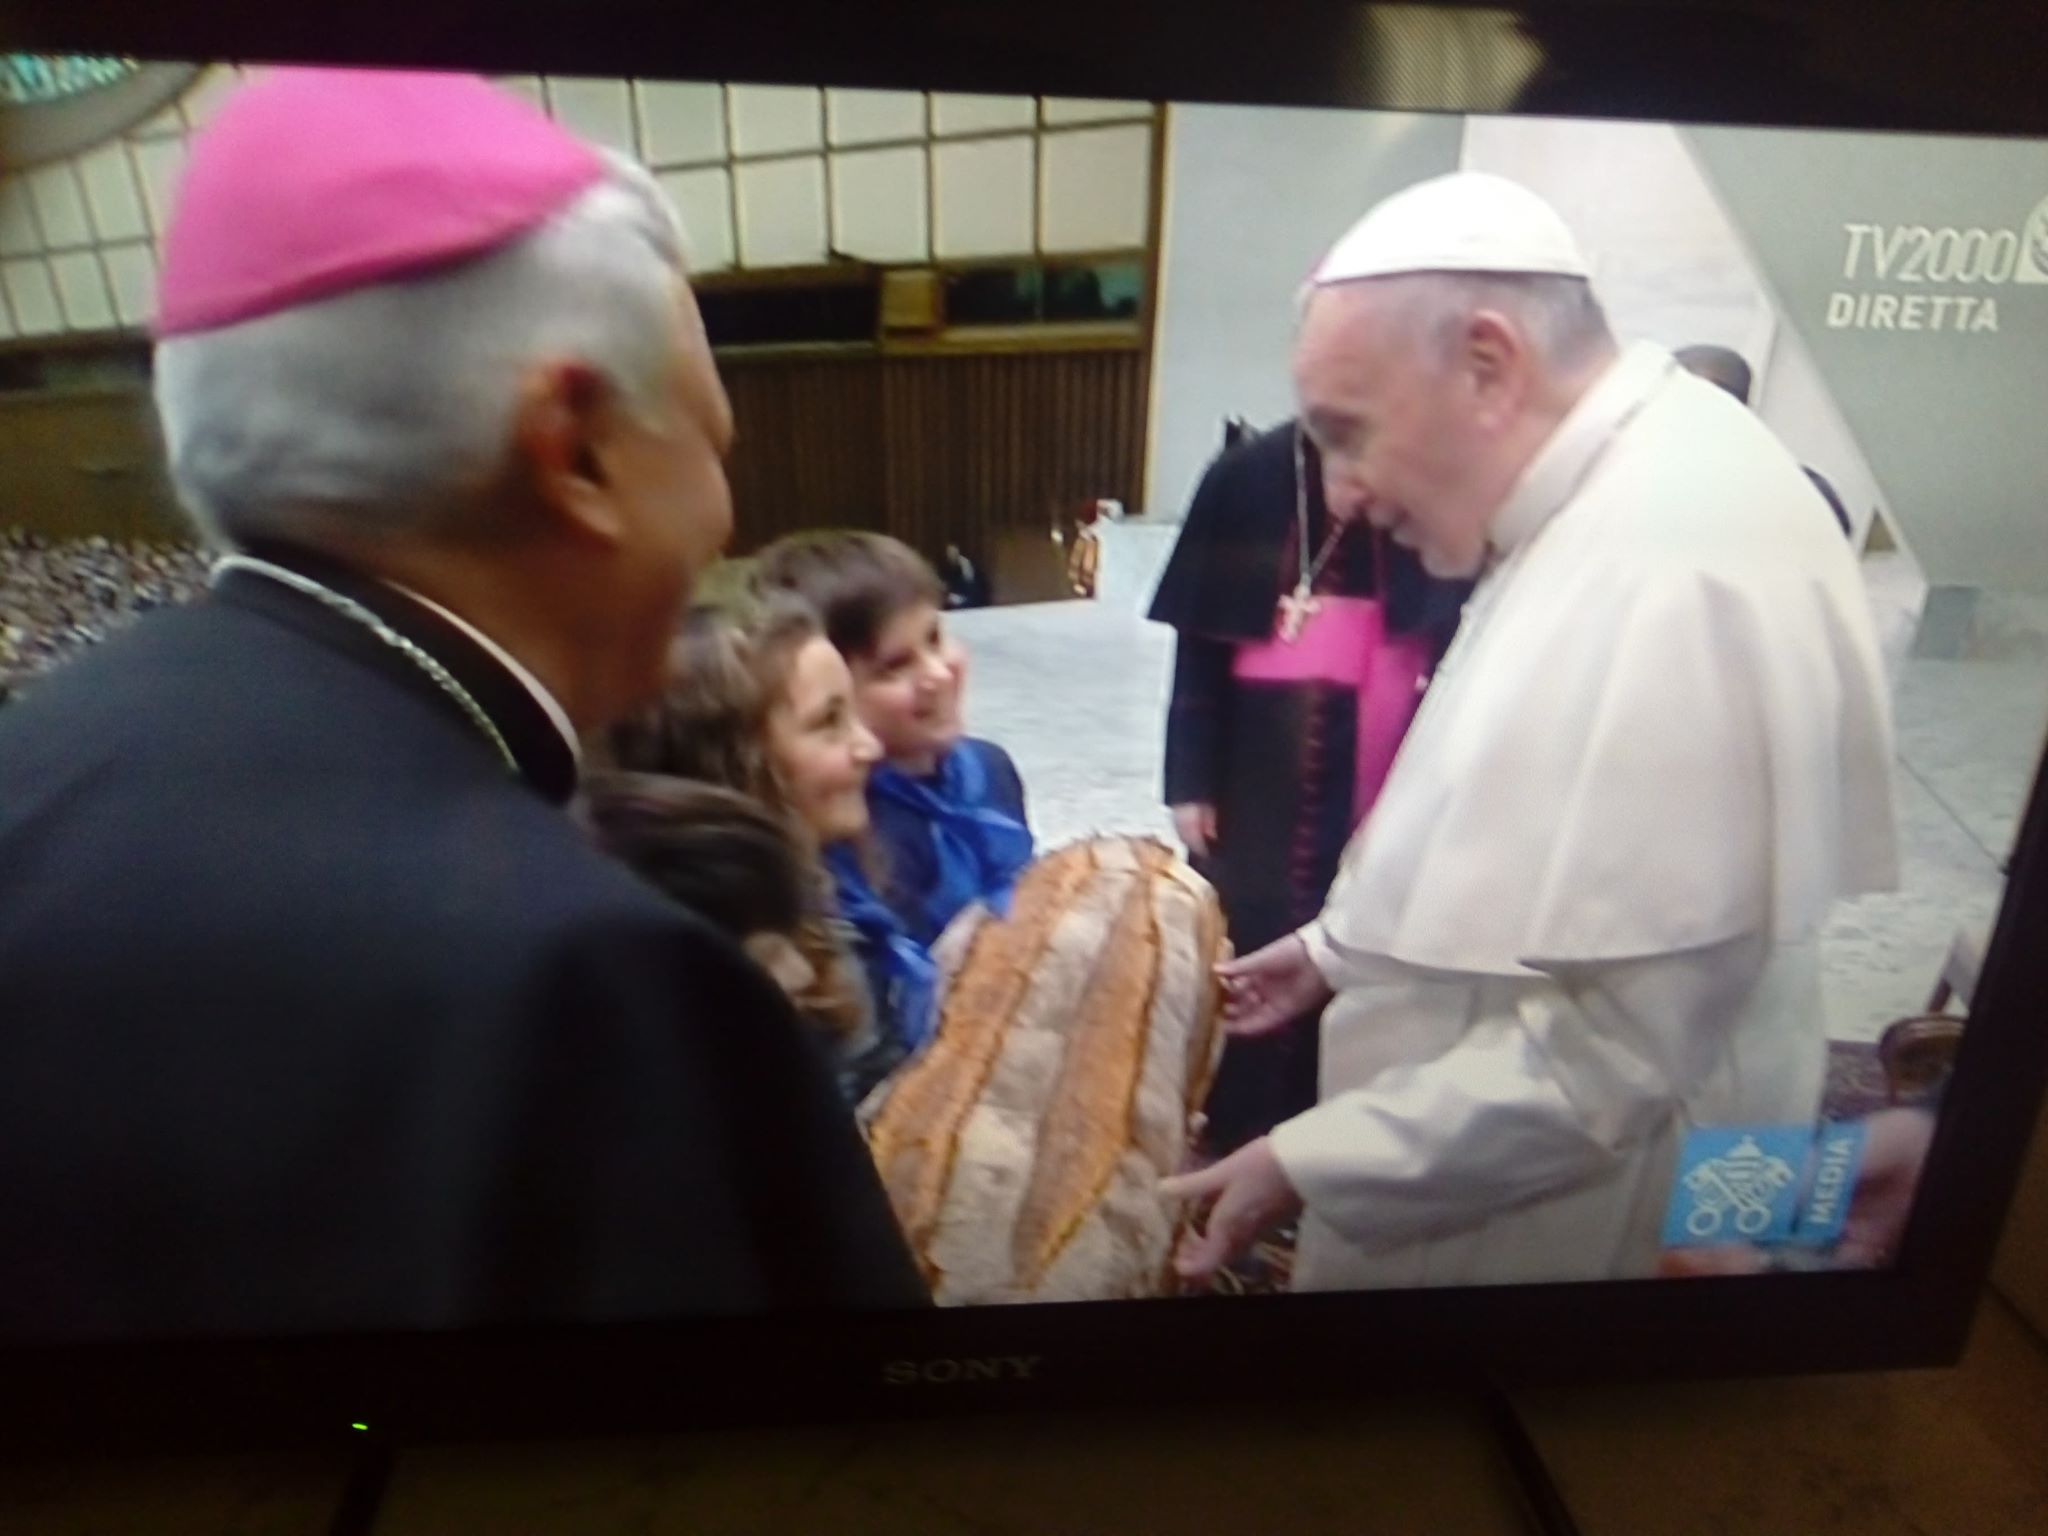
(1023, 1148)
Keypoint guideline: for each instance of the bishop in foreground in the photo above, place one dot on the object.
(1584, 914)
(317, 1013)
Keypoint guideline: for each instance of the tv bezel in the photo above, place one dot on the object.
(241, 1391)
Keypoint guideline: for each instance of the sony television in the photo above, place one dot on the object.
(1000, 282)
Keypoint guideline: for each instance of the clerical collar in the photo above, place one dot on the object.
(531, 722)
(1560, 466)
(557, 716)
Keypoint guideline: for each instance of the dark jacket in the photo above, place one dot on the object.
(314, 1016)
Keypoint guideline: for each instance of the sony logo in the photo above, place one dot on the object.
(944, 1370)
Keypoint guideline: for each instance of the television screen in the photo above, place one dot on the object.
(1163, 703)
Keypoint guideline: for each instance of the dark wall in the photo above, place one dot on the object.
(985, 451)
(75, 464)
(965, 449)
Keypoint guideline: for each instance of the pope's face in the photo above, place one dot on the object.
(1403, 439)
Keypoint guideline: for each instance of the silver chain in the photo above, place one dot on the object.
(349, 608)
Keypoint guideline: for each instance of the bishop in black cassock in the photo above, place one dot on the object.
(1275, 755)
(317, 1012)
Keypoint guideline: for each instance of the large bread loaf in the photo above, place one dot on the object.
(1023, 1148)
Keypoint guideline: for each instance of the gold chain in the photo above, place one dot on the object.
(1309, 572)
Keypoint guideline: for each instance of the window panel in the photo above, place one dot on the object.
(782, 213)
(1096, 190)
(595, 109)
(868, 117)
(1092, 109)
(681, 122)
(82, 291)
(879, 199)
(953, 113)
(33, 297)
(985, 197)
(704, 200)
(775, 119)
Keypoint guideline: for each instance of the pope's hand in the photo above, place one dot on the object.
(1252, 1194)
(1266, 988)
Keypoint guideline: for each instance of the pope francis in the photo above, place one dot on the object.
(1583, 917)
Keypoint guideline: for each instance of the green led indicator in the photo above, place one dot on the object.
(363, 1427)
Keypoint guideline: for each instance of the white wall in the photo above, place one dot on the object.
(1671, 266)
(1254, 195)
(1794, 400)
(1949, 420)
(1667, 264)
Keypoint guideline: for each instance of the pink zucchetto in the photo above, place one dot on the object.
(311, 182)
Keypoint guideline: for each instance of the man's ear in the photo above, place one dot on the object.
(1496, 361)
(561, 428)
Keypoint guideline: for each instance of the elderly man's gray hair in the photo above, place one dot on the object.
(1560, 316)
(390, 408)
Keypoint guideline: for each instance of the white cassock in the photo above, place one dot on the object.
(1583, 916)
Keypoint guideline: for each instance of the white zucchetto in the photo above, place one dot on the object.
(1469, 221)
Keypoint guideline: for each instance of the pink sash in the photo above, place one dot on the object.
(1346, 642)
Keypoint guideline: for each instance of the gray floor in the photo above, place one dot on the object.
(1077, 692)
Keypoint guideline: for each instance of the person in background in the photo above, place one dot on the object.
(964, 583)
(948, 808)
(761, 703)
(1302, 640)
(320, 1015)
(1725, 367)
(1584, 916)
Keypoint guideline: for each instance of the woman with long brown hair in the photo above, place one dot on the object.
(759, 702)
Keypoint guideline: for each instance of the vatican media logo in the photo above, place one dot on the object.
(1763, 1184)
(1917, 277)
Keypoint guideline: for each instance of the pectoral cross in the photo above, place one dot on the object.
(1296, 609)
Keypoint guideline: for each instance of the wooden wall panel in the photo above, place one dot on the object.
(76, 465)
(935, 449)
(806, 452)
(982, 450)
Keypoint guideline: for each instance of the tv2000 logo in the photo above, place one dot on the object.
(1919, 257)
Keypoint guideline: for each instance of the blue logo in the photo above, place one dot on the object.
(1764, 1184)
(1830, 1181)
(1737, 1184)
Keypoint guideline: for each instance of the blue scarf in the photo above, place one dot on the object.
(978, 851)
(905, 978)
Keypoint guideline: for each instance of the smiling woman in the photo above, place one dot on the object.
(759, 702)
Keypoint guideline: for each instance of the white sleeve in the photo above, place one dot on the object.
(1324, 955)
(1549, 1084)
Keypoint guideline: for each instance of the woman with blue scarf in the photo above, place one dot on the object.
(902, 978)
